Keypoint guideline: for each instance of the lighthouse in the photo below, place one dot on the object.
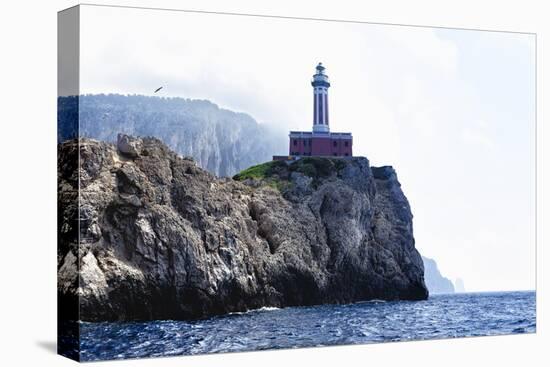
(320, 141)
(320, 84)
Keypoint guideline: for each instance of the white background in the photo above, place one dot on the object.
(28, 182)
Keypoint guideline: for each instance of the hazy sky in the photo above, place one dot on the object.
(452, 110)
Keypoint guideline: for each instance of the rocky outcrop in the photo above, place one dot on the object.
(161, 238)
(128, 145)
(459, 285)
(436, 282)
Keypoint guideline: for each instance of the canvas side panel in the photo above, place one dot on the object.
(68, 49)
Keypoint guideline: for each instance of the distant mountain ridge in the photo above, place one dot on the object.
(436, 282)
(459, 285)
(221, 141)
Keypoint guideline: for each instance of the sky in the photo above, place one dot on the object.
(453, 111)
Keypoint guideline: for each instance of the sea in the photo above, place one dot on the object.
(441, 316)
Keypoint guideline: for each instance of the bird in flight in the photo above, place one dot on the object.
(159, 88)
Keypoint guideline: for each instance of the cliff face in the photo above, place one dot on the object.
(436, 282)
(459, 285)
(221, 141)
(163, 239)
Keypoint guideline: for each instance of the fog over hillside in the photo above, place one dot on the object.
(222, 141)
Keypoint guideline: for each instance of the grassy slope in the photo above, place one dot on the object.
(277, 173)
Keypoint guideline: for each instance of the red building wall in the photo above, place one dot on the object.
(300, 146)
(321, 146)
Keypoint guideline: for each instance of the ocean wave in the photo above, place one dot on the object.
(374, 321)
(370, 301)
(261, 309)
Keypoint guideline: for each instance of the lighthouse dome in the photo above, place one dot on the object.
(320, 79)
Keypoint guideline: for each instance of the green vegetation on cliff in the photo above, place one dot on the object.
(277, 173)
(259, 171)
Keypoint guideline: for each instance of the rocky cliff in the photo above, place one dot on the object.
(459, 285)
(161, 238)
(221, 141)
(436, 282)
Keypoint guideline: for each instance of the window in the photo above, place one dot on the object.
(334, 143)
(346, 143)
(346, 154)
(295, 142)
(334, 154)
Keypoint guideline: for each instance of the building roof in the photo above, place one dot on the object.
(310, 134)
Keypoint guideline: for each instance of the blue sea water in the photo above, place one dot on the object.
(441, 316)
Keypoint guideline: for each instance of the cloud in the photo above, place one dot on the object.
(478, 135)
